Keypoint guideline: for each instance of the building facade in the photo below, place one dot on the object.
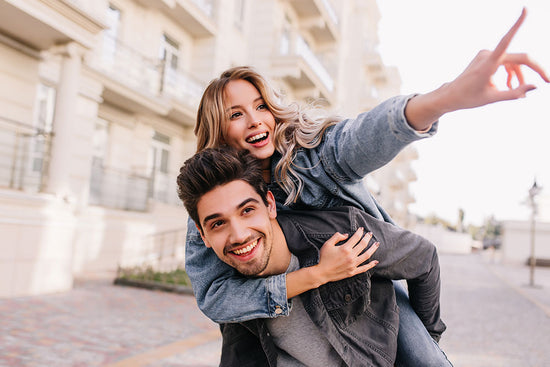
(98, 100)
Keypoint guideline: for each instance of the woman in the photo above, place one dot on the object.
(319, 163)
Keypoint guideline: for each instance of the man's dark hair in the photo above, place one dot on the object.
(214, 167)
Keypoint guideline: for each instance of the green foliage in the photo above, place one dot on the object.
(175, 277)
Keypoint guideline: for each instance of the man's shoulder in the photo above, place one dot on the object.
(319, 220)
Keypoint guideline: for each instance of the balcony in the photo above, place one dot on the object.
(137, 83)
(124, 190)
(318, 18)
(302, 69)
(24, 156)
(43, 24)
(117, 189)
(195, 16)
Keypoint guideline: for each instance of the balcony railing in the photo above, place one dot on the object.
(131, 68)
(117, 189)
(164, 251)
(24, 155)
(128, 66)
(330, 11)
(311, 59)
(206, 6)
(182, 86)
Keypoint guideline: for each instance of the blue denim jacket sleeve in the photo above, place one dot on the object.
(350, 150)
(224, 295)
(356, 147)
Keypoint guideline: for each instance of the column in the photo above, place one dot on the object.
(62, 150)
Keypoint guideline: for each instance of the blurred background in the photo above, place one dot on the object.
(98, 102)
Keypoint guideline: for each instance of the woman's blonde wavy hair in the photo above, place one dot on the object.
(294, 128)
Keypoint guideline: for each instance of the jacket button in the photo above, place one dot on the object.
(278, 310)
(347, 297)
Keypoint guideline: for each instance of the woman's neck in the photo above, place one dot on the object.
(266, 170)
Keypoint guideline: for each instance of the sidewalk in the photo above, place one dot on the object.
(493, 320)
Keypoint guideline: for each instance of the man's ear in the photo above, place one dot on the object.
(202, 236)
(271, 205)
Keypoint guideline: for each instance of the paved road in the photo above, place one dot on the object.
(493, 319)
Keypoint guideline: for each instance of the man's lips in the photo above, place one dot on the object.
(243, 251)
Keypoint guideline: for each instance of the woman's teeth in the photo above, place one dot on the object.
(256, 138)
(246, 249)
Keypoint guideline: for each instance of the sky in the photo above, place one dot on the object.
(482, 160)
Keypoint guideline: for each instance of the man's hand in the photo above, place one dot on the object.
(345, 260)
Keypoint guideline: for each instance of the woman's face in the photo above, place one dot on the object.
(248, 123)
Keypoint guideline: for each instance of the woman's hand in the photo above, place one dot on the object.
(474, 87)
(346, 260)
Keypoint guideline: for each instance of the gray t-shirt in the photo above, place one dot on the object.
(298, 339)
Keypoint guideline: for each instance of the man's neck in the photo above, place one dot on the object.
(280, 254)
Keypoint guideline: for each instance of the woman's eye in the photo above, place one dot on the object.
(263, 106)
(235, 115)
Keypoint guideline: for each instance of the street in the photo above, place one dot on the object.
(493, 320)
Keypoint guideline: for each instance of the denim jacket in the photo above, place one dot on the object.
(357, 315)
(332, 174)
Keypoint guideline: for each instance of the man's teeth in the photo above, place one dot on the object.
(255, 138)
(246, 249)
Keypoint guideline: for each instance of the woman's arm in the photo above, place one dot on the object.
(224, 295)
(474, 88)
(336, 262)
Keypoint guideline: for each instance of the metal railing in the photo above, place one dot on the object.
(206, 6)
(181, 86)
(303, 50)
(24, 155)
(165, 251)
(118, 189)
(128, 66)
(132, 68)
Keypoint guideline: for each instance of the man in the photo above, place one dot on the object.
(353, 321)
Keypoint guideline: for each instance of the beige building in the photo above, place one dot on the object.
(97, 105)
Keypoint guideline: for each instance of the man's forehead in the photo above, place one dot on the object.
(226, 198)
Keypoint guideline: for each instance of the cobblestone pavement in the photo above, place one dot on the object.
(493, 319)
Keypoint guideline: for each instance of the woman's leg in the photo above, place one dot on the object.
(415, 346)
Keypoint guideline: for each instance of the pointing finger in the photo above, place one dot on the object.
(505, 41)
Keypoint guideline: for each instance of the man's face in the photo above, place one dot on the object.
(237, 225)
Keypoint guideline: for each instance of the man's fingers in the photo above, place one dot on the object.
(505, 41)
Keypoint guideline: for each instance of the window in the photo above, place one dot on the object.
(159, 158)
(239, 13)
(170, 59)
(43, 123)
(110, 34)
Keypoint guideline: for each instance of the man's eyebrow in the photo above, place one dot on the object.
(237, 106)
(216, 215)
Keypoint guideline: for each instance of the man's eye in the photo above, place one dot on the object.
(216, 224)
(248, 210)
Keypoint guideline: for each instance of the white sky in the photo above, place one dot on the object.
(482, 160)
